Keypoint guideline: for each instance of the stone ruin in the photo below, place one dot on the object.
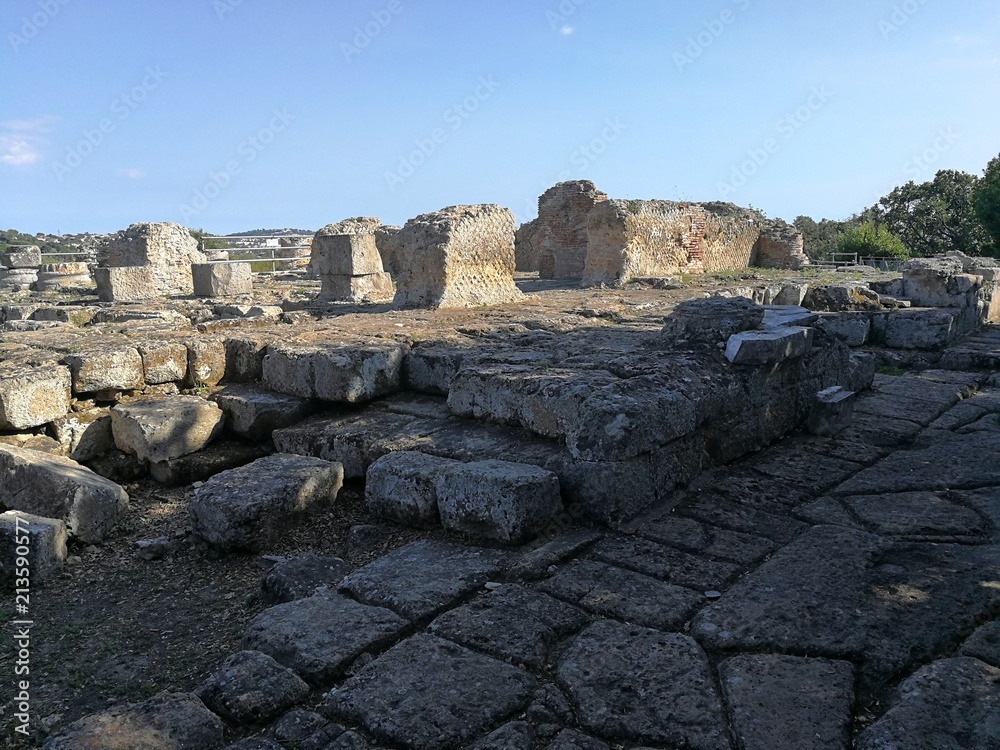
(461, 256)
(580, 234)
(167, 249)
(19, 267)
(346, 258)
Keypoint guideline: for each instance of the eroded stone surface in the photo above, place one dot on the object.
(165, 428)
(429, 693)
(677, 704)
(250, 688)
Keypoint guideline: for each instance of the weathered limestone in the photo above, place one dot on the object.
(106, 369)
(168, 721)
(499, 500)
(635, 239)
(163, 362)
(768, 347)
(561, 241)
(832, 411)
(248, 507)
(939, 282)
(301, 577)
(346, 258)
(207, 360)
(319, 636)
(125, 284)
(461, 256)
(52, 277)
(160, 429)
(251, 688)
(84, 435)
(390, 248)
(30, 397)
(527, 246)
(59, 488)
(39, 542)
(169, 249)
(21, 256)
(17, 279)
(781, 246)
(402, 487)
(221, 279)
(841, 297)
(347, 374)
(254, 413)
(710, 321)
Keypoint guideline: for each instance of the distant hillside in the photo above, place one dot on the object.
(274, 232)
(49, 243)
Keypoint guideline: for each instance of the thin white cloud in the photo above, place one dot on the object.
(131, 173)
(21, 140)
(567, 30)
(17, 152)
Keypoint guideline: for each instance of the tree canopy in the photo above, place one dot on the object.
(986, 201)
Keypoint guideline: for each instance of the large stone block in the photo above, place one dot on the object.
(939, 282)
(222, 279)
(347, 374)
(769, 347)
(167, 248)
(920, 329)
(21, 256)
(254, 413)
(84, 435)
(462, 256)
(30, 397)
(499, 500)
(56, 487)
(376, 287)
(207, 359)
(249, 507)
(163, 362)
(106, 369)
(54, 277)
(709, 321)
(125, 284)
(345, 254)
(160, 429)
(38, 542)
(636, 239)
(402, 487)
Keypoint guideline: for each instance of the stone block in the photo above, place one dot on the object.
(254, 413)
(498, 500)
(59, 488)
(832, 411)
(217, 457)
(709, 321)
(244, 360)
(222, 279)
(249, 507)
(301, 577)
(345, 374)
(459, 257)
(206, 362)
(117, 368)
(168, 249)
(853, 328)
(841, 298)
(125, 284)
(402, 487)
(920, 329)
(791, 294)
(768, 347)
(174, 721)
(39, 542)
(251, 688)
(345, 255)
(160, 429)
(376, 287)
(54, 277)
(21, 256)
(75, 315)
(163, 362)
(84, 435)
(31, 397)
(18, 279)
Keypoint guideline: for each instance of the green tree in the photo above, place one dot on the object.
(199, 234)
(986, 201)
(868, 239)
(933, 217)
(821, 237)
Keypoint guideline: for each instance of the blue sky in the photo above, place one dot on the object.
(237, 114)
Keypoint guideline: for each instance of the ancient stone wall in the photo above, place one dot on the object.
(527, 246)
(168, 248)
(462, 256)
(781, 246)
(636, 239)
(562, 236)
(346, 258)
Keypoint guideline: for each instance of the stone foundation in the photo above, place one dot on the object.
(169, 249)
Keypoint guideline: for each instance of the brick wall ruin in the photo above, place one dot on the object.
(781, 246)
(636, 239)
(562, 237)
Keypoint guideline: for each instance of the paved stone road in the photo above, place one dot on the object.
(822, 594)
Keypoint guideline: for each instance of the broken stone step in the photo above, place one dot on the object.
(161, 429)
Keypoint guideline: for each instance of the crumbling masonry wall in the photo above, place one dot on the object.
(636, 239)
(169, 249)
(561, 239)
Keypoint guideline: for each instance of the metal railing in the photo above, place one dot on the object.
(259, 253)
(65, 255)
(846, 260)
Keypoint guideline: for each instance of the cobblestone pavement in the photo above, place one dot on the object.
(823, 593)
